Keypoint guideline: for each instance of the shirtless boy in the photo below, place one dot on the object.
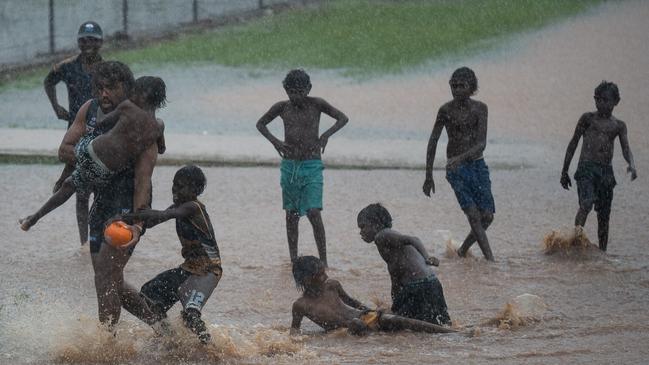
(134, 136)
(465, 121)
(301, 167)
(416, 291)
(594, 175)
(325, 303)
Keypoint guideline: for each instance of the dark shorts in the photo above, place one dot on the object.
(116, 198)
(89, 172)
(472, 186)
(162, 291)
(595, 183)
(422, 299)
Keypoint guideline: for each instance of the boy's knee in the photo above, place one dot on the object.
(313, 213)
(586, 205)
(487, 217)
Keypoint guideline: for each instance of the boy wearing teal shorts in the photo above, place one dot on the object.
(301, 167)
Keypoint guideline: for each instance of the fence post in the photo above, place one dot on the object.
(195, 10)
(51, 25)
(125, 17)
(261, 4)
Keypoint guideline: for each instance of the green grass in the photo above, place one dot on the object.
(361, 37)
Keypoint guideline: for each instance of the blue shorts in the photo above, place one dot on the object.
(472, 185)
(301, 183)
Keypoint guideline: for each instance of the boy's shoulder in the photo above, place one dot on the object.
(64, 64)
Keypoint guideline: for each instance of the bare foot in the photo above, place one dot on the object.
(27, 222)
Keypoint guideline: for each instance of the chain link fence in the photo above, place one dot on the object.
(33, 29)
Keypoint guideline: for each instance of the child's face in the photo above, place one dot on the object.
(605, 102)
(460, 88)
(297, 95)
(182, 191)
(318, 279)
(368, 229)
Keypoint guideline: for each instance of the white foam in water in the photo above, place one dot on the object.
(529, 306)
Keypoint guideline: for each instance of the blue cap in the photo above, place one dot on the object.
(90, 29)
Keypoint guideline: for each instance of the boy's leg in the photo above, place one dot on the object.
(318, 233)
(82, 215)
(603, 209)
(194, 293)
(109, 265)
(487, 218)
(586, 194)
(475, 221)
(292, 224)
(391, 322)
(56, 200)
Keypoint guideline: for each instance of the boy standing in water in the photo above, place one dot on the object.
(416, 291)
(301, 167)
(193, 281)
(325, 303)
(594, 175)
(465, 121)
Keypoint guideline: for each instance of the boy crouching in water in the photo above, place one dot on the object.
(416, 291)
(325, 303)
(193, 281)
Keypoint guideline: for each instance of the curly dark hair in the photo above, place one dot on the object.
(305, 267)
(466, 74)
(113, 72)
(297, 79)
(605, 86)
(153, 89)
(194, 176)
(376, 213)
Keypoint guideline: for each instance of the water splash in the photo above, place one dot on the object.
(567, 241)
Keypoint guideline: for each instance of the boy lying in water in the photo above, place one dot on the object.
(134, 136)
(325, 303)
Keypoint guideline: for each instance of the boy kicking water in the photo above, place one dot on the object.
(465, 121)
(301, 150)
(193, 282)
(325, 303)
(136, 134)
(594, 175)
(416, 291)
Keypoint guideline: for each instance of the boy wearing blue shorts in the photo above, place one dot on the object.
(465, 121)
(301, 149)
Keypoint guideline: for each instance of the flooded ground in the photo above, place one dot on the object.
(597, 303)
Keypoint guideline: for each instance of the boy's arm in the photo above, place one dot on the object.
(394, 239)
(346, 298)
(477, 150)
(162, 145)
(67, 171)
(340, 117)
(142, 190)
(49, 84)
(626, 151)
(151, 217)
(416, 243)
(73, 135)
(440, 121)
(582, 124)
(298, 314)
(262, 123)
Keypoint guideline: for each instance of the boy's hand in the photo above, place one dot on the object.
(137, 232)
(432, 261)
(282, 148)
(323, 143)
(429, 185)
(631, 170)
(61, 113)
(565, 181)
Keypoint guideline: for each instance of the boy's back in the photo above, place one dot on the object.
(405, 263)
(326, 309)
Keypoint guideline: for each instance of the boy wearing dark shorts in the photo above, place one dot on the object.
(594, 175)
(193, 282)
(465, 121)
(416, 291)
(301, 167)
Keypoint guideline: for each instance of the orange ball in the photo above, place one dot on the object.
(118, 234)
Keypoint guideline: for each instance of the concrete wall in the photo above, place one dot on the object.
(24, 24)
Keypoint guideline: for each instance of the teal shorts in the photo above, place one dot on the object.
(301, 183)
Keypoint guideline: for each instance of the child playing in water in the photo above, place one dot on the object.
(193, 281)
(465, 121)
(301, 167)
(416, 291)
(325, 303)
(594, 175)
(136, 134)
